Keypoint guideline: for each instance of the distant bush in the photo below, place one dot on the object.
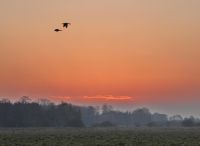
(188, 122)
(104, 124)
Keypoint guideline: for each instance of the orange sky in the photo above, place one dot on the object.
(146, 50)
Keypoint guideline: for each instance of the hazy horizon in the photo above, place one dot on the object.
(185, 110)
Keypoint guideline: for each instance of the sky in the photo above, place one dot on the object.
(127, 53)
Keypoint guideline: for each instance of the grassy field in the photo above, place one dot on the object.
(100, 137)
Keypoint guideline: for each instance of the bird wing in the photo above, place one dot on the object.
(65, 25)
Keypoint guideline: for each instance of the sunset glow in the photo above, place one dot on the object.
(132, 52)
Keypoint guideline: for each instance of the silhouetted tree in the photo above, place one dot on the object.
(158, 119)
(30, 114)
(141, 117)
(188, 122)
(106, 108)
(177, 118)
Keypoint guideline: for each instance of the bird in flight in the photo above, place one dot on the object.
(66, 24)
(57, 30)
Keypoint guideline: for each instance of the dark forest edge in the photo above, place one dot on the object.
(27, 113)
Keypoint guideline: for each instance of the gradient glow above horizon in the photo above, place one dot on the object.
(122, 52)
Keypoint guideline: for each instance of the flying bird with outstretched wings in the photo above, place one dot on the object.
(66, 24)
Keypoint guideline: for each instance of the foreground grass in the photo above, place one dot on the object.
(100, 137)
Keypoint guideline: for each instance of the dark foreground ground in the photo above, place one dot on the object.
(100, 137)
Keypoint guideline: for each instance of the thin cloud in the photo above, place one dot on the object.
(108, 97)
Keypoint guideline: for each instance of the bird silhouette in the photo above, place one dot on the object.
(57, 30)
(66, 24)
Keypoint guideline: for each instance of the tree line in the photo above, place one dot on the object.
(106, 116)
(26, 113)
(38, 114)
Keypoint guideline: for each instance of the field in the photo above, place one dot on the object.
(100, 137)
